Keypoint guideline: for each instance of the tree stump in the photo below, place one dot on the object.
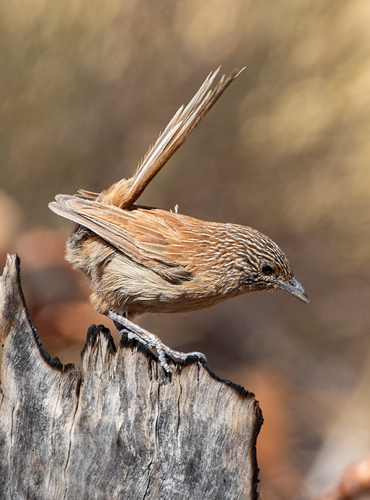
(121, 428)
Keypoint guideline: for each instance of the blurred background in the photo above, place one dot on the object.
(86, 86)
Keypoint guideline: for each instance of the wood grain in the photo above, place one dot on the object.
(121, 428)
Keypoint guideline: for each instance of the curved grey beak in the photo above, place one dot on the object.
(296, 289)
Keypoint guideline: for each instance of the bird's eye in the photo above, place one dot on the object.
(267, 268)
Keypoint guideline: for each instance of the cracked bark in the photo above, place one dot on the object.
(122, 428)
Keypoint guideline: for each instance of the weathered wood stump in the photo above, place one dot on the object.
(120, 429)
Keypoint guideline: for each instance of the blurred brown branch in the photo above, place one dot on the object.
(354, 482)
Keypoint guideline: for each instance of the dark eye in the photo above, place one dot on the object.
(267, 268)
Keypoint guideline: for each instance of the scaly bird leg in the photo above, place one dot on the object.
(165, 353)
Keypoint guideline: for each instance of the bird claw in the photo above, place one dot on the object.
(178, 357)
(165, 354)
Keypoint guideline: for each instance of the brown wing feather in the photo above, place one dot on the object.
(87, 195)
(143, 239)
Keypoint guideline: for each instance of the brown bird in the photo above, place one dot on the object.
(143, 259)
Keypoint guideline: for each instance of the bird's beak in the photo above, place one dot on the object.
(296, 289)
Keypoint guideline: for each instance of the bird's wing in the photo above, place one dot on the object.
(86, 195)
(143, 239)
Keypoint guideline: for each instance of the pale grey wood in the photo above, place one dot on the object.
(120, 429)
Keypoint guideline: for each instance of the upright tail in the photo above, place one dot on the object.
(126, 191)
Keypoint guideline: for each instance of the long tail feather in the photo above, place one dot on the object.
(125, 192)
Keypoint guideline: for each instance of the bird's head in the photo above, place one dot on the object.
(267, 268)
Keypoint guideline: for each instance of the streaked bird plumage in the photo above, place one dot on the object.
(142, 259)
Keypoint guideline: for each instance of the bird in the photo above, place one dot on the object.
(142, 259)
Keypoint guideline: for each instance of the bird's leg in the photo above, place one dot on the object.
(165, 353)
(121, 330)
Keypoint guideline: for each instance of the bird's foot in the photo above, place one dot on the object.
(165, 354)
